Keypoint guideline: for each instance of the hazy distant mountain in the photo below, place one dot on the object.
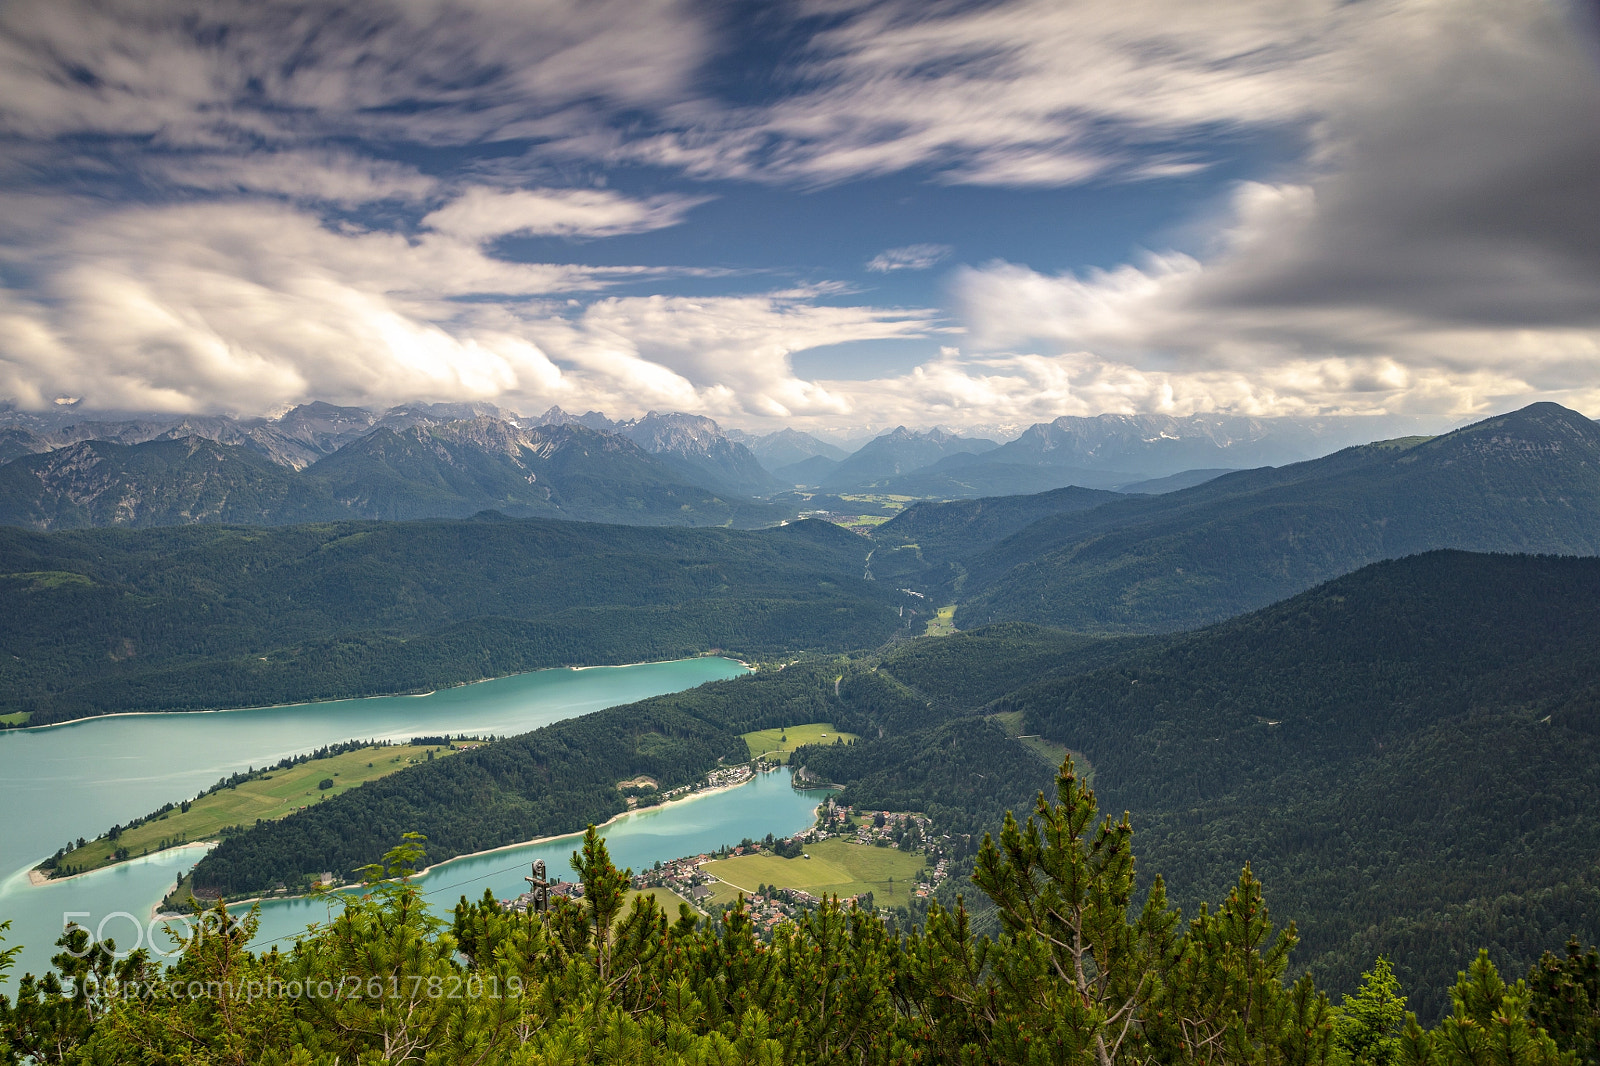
(447, 469)
(968, 476)
(421, 460)
(324, 427)
(257, 435)
(437, 414)
(900, 451)
(458, 468)
(18, 442)
(697, 448)
(156, 483)
(693, 445)
(1156, 445)
(593, 420)
(1528, 481)
(809, 472)
(786, 447)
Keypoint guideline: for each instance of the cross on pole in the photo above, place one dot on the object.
(541, 888)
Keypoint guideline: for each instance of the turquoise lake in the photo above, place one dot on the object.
(62, 782)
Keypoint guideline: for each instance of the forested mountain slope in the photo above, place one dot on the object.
(1410, 755)
(1525, 481)
(945, 533)
(193, 617)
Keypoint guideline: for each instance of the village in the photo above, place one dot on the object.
(864, 858)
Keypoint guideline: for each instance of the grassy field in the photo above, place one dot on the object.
(942, 624)
(836, 867)
(269, 796)
(1052, 752)
(772, 745)
(665, 898)
(879, 499)
(20, 718)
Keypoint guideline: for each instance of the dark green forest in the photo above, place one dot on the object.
(97, 621)
(1410, 754)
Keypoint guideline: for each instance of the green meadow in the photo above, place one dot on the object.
(774, 745)
(836, 868)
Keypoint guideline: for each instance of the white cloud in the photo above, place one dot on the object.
(240, 306)
(911, 257)
(733, 352)
(480, 214)
(1440, 254)
(328, 176)
(1179, 335)
(246, 306)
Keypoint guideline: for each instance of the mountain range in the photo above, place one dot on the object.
(1528, 481)
(404, 467)
(320, 461)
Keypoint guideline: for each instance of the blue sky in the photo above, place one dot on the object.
(838, 214)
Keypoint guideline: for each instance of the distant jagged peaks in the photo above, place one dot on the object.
(170, 481)
(1106, 452)
(1158, 445)
(693, 445)
(786, 447)
(321, 462)
(593, 420)
(901, 451)
(325, 427)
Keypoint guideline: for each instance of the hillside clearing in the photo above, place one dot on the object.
(942, 624)
(774, 745)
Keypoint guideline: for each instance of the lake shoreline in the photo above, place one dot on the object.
(370, 696)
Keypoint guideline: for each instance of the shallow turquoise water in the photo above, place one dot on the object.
(61, 782)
